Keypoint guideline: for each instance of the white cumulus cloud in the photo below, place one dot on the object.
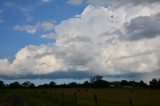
(96, 41)
(32, 29)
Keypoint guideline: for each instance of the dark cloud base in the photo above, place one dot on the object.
(77, 75)
(56, 75)
(143, 27)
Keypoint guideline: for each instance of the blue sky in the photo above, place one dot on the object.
(18, 12)
(76, 39)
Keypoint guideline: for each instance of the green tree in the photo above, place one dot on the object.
(2, 85)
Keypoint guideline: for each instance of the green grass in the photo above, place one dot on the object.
(4, 93)
(105, 97)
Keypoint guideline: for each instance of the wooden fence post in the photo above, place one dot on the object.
(75, 98)
(62, 95)
(55, 93)
(130, 101)
(62, 102)
(95, 99)
(130, 98)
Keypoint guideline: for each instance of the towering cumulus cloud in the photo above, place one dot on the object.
(100, 40)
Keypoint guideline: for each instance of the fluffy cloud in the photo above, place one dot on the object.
(115, 3)
(100, 41)
(118, 3)
(5, 65)
(50, 35)
(32, 29)
(33, 60)
(143, 27)
(75, 2)
(46, 0)
(27, 28)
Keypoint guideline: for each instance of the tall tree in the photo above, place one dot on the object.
(15, 85)
(52, 84)
(2, 85)
(95, 79)
(153, 83)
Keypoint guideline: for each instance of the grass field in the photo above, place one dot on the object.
(86, 97)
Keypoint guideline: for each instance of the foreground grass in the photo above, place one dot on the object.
(4, 93)
(86, 97)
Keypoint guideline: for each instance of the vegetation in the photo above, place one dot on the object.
(94, 92)
(89, 97)
(94, 82)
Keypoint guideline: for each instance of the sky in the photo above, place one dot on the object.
(76, 39)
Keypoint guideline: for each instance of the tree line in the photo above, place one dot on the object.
(93, 82)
